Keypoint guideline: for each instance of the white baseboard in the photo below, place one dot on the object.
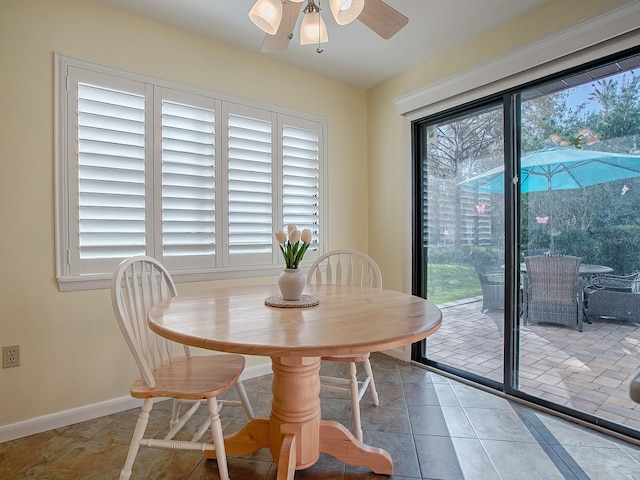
(64, 418)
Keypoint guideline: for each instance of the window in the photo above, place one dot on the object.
(199, 181)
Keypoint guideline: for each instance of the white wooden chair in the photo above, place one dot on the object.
(348, 267)
(139, 283)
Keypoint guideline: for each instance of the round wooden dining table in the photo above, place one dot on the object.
(346, 320)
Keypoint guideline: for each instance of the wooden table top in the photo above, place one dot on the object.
(347, 320)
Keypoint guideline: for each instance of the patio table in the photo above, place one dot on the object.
(586, 271)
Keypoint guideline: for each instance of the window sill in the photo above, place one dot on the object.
(103, 281)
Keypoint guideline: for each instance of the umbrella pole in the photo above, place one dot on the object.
(550, 212)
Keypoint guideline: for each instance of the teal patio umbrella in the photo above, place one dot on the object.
(559, 168)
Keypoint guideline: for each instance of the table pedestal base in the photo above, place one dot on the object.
(294, 432)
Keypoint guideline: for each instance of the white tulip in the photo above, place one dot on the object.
(291, 227)
(280, 236)
(306, 235)
(294, 236)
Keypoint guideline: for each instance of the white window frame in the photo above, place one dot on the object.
(219, 266)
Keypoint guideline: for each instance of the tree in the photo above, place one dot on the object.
(547, 117)
(609, 121)
(617, 120)
(455, 150)
(604, 115)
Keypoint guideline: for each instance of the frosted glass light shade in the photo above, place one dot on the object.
(267, 14)
(346, 11)
(309, 34)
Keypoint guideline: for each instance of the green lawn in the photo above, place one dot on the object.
(449, 282)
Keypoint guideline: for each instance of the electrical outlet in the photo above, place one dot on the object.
(10, 356)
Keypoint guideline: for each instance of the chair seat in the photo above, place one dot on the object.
(194, 378)
(352, 357)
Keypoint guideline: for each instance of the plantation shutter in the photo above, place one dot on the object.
(188, 153)
(110, 118)
(250, 150)
(145, 167)
(301, 144)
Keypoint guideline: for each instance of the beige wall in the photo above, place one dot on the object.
(72, 351)
(386, 130)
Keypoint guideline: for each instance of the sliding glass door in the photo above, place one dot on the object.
(527, 220)
(463, 239)
(580, 199)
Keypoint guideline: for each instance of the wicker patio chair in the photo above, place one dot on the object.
(551, 291)
(623, 283)
(614, 296)
(492, 284)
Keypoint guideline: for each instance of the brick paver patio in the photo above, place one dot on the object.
(589, 370)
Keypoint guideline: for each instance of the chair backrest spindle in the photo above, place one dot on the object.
(345, 267)
(139, 283)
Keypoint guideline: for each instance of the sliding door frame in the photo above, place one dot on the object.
(511, 101)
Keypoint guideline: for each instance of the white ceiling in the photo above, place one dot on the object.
(354, 54)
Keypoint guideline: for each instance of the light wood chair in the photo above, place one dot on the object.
(139, 283)
(348, 267)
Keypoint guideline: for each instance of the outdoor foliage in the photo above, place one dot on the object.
(617, 122)
(581, 244)
(454, 282)
(600, 223)
(618, 248)
(448, 254)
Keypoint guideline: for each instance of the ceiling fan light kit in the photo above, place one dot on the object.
(267, 14)
(346, 11)
(278, 18)
(313, 29)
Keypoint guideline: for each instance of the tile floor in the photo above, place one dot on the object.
(589, 371)
(433, 427)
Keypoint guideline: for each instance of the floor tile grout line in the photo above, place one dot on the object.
(562, 462)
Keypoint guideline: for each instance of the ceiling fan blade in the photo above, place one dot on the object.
(382, 19)
(279, 42)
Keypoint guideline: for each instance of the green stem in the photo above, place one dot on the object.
(293, 253)
(300, 254)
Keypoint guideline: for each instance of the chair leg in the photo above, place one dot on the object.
(218, 438)
(355, 401)
(372, 383)
(242, 393)
(138, 433)
(175, 413)
(580, 317)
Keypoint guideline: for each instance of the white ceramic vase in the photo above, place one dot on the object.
(291, 283)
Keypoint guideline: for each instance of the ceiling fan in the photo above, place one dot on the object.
(278, 18)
